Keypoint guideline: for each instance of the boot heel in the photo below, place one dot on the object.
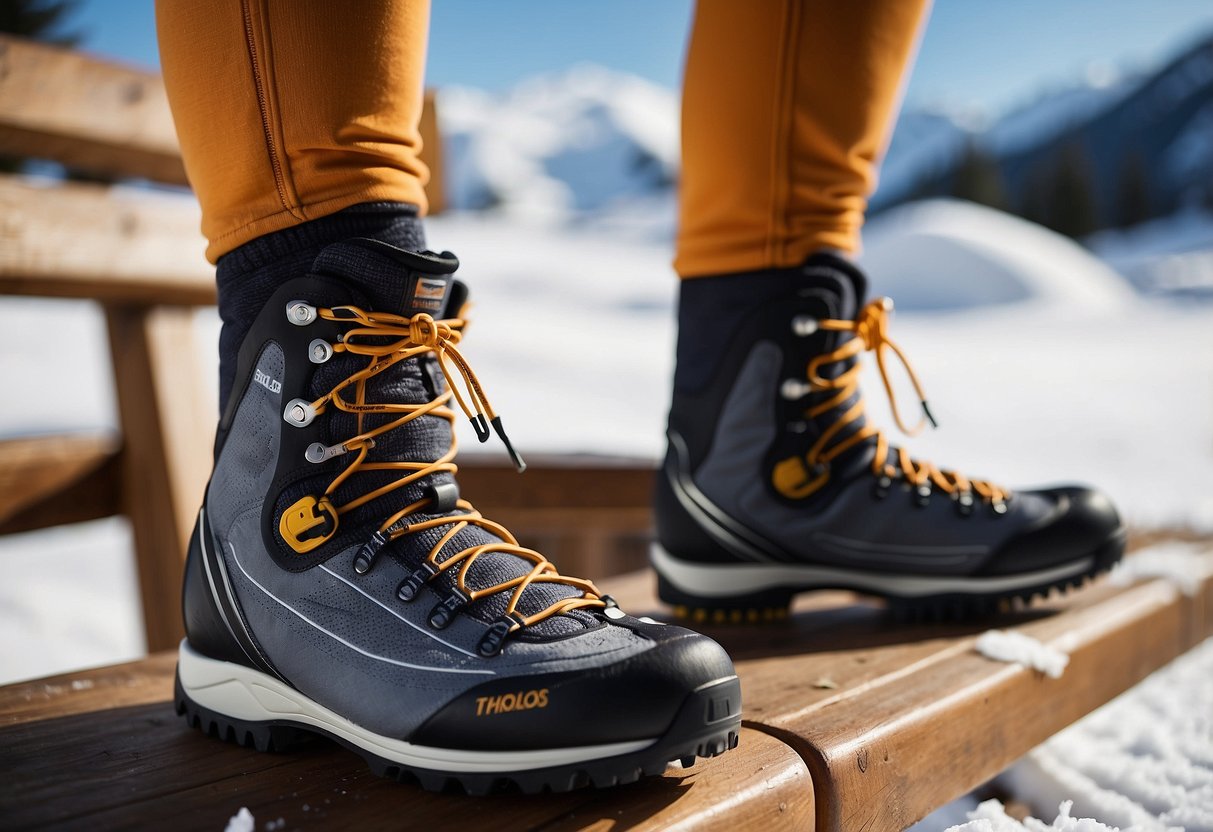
(766, 607)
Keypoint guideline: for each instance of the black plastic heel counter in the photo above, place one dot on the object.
(678, 532)
(205, 627)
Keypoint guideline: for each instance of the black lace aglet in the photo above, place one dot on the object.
(481, 427)
(505, 440)
(926, 408)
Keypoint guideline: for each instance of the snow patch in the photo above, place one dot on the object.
(242, 821)
(945, 254)
(1016, 647)
(1144, 760)
(991, 816)
(1183, 565)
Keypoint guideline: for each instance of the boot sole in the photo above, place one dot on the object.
(762, 592)
(251, 708)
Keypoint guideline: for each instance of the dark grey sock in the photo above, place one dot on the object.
(248, 275)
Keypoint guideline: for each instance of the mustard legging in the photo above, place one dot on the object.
(289, 110)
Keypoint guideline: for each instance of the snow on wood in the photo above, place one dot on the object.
(242, 821)
(1012, 646)
(1181, 564)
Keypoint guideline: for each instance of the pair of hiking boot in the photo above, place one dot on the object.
(338, 584)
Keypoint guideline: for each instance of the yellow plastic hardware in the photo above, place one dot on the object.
(308, 523)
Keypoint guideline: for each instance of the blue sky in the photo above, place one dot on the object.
(990, 54)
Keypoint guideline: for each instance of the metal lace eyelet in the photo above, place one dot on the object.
(999, 506)
(448, 608)
(299, 412)
(491, 642)
(804, 326)
(319, 351)
(300, 313)
(881, 489)
(318, 452)
(964, 503)
(922, 494)
(408, 590)
(793, 389)
(365, 559)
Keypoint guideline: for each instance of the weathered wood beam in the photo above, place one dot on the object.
(86, 113)
(109, 244)
(52, 480)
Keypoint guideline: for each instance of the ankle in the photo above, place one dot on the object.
(248, 275)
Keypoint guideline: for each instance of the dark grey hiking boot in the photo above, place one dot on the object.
(337, 584)
(774, 482)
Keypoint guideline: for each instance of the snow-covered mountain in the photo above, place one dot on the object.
(586, 141)
(1138, 146)
(572, 143)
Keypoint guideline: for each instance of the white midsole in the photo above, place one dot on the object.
(247, 694)
(728, 580)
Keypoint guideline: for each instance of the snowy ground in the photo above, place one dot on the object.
(573, 337)
(1142, 762)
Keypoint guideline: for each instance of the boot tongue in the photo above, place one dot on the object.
(394, 280)
(840, 278)
(843, 288)
(408, 283)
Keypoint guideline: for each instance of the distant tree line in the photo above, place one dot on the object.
(1060, 190)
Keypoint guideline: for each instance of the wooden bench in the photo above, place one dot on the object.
(851, 722)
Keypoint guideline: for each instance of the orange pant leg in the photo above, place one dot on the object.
(787, 108)
(289, 110)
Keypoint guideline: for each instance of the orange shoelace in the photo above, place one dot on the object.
(386, 340)
(870, 327)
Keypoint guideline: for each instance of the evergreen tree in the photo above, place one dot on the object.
(1033, 203)
(1132, 192)
(1072, 205)
(978, 178)
(39, 20)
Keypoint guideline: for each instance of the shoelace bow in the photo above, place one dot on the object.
(870, 328)
(388, 339)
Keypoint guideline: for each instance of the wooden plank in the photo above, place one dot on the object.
(567, 481)
(91, 241)
(431, 154)
(168, 428)
(895, 721)
(591, 515)
(86, 113)
(50, 480)
(114, 120)
(103, 749)
(89, 691)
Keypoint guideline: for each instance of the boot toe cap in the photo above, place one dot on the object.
(1084, 524)
(633, 699)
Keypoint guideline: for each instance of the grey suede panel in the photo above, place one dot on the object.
(854, 529)
(344, 639)
(245, 467)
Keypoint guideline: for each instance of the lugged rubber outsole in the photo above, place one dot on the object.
(772, 604)
(699, 729)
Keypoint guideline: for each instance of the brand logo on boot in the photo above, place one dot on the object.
(506, 702)
(269, 383)
(428, 294)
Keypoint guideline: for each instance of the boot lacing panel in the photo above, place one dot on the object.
(387, 339)
(799, 477)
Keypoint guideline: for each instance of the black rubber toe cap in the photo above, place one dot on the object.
(1084, 524)
(633, 699)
